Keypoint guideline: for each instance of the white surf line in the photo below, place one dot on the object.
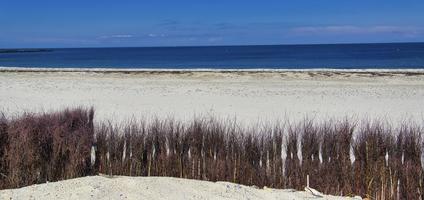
(200, 69)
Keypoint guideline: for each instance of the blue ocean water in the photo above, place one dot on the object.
(336, 56)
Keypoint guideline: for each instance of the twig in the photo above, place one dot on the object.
(1, 174)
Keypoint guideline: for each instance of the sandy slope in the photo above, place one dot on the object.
(99, 187)
(249, 96)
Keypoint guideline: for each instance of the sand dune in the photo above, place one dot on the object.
(100, 187)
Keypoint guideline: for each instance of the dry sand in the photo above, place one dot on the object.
(247, 96)
(99, 187)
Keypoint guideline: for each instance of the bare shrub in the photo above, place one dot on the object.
(409, 165)
(339, 157)
(293, 162)
(3, 145)
(56, 147)
(310, 152)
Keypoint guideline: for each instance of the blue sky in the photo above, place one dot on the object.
(106, 23)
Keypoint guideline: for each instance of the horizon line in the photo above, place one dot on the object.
(229, 45)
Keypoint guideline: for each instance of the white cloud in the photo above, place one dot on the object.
(155, 35)
(116, 36)
(349, 29)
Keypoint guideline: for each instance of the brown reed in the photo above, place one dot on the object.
(370, 159)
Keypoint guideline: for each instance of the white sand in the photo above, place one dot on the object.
(248, 96)
(98, 187)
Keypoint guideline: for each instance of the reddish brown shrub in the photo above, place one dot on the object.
(386, 162)
(3, 144)
(56, 147)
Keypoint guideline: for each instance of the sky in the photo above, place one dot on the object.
(137, 23)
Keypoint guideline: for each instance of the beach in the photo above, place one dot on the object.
(212, 100)
(246, 96)
(251, 97)
(103, 187)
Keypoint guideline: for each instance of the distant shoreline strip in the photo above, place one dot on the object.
(270, 70)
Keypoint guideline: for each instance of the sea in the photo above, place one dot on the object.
(317, 56)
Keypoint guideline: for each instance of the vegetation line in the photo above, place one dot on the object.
(339, 157)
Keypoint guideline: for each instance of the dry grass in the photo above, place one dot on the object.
(47, 147)
(340, 157)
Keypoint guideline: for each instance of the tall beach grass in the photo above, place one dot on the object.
(340, 157)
